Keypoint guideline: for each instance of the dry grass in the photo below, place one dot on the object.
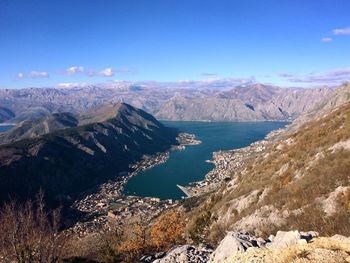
(296, 175)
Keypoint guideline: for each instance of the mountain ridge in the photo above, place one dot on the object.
(296, 179)
(67, 161)
(254, 102)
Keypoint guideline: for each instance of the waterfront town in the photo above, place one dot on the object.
(226, 162)
(109, 206)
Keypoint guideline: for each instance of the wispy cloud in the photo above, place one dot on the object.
(326, 39)
(341, 31)
(223, 83)
(331, 77)
(74, 70)
(286, 75)
(71, 84)
(124, 70)
(107, 72)
(209, 74)
(38, 74)
(33, 75)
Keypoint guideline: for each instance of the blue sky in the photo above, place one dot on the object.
(290, 43)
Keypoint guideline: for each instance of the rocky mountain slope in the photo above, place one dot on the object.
(67, 161)
(253, 102)
(299, 181)
(340, 96)
(38, 127)
(298, 178)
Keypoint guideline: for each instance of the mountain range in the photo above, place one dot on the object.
(253, 102)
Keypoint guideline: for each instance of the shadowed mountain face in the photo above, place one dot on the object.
(255, 102)
(68, 161)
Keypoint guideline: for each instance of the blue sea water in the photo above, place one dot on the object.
(189, 165)
(4, 128)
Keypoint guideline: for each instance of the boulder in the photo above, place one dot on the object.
(285, 239)
(340, 237)
(235, 243)
(187, 254)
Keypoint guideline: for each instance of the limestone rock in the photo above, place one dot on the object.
(186, 254)
(340, 237)
(235, 243)
(285, 239)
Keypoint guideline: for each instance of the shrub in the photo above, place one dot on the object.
(200, 228)
(168, 230)
(30, 234)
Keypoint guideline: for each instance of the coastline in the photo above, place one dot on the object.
(110, 205)
(7, 124)
(227, 162)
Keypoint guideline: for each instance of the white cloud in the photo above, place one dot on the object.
(341, 31)
(74, 70)
(20, 75)
(38, 74)
(327, 39)
(107, 72)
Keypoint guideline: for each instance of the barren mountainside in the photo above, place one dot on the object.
(254, 102)
(300, 181)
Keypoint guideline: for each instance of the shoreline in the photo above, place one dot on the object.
(109, 204)
(226, 163)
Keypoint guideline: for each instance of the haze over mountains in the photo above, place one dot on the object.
(191, 101)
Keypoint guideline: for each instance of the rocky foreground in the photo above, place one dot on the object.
(291, 246)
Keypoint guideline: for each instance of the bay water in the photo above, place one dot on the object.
(190, 164)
